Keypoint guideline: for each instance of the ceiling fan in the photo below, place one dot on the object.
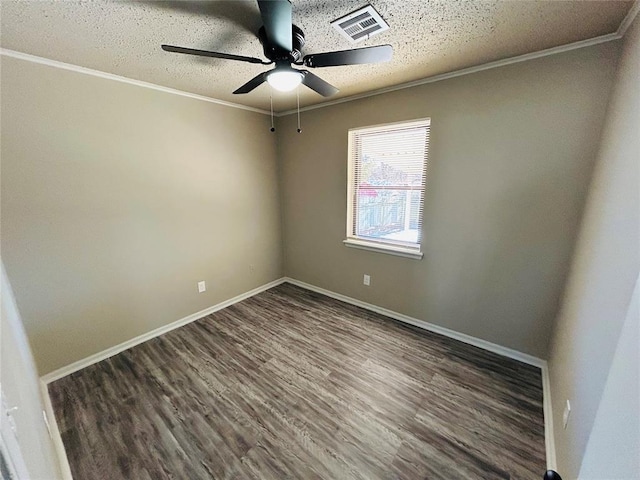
(282, 43)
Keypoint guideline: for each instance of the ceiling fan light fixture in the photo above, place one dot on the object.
(281, 41)
(284, 80)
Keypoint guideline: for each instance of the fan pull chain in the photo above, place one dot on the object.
(273, 129)
(298, 99)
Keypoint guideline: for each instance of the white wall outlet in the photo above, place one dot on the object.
(202, 286)
(565, 415)
(366, 280)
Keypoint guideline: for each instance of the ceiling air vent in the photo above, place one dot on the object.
(361, 24)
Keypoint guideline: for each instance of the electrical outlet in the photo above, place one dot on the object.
(565, 415)
(366, 280)
(202, 286)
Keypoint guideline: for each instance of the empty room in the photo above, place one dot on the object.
(273, 239)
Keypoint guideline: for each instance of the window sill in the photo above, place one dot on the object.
(381, 248)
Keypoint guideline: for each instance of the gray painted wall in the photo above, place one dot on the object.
(117, 200)
(511, 156)
(603, 274)
(613, 449)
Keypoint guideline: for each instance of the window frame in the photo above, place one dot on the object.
(366, 243)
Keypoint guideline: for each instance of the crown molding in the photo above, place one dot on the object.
(628, 20)
(110, 76)
(618, 34)
(466, 71)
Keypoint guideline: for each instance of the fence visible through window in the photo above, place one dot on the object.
(387, 169)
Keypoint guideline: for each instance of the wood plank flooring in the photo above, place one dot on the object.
(290, 384)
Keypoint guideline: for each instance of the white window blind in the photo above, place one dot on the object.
(387, 177)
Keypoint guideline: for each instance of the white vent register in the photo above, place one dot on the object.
(360, 25)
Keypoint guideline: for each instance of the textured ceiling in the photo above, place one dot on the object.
(429, 37)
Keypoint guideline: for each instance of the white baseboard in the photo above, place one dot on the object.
(110, 352)
(468, 339)
(549, 436)
(462, 337)
(550, 448)
(54, 432)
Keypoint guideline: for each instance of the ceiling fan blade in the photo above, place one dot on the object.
(276, 18)
(381, 53)
(253, 83)
(318, 85)
(206, 53)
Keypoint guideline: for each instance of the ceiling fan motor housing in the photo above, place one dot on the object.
(282, 44)
(275, 54)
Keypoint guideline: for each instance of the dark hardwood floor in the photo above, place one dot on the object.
(293, 384)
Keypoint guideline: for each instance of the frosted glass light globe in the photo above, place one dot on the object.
(284, 80)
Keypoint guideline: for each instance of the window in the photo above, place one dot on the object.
(386, 183)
